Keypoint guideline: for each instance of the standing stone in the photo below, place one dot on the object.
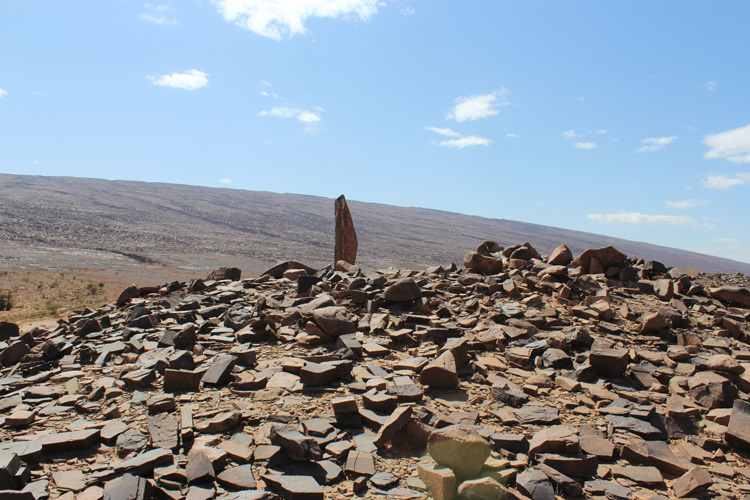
(345, 247)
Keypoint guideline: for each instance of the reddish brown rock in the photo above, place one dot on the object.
(604, 257)
(561, 256)
(734, 294)
(483, 264)
(345, 247)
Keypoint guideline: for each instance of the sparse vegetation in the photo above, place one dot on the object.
(6, 301)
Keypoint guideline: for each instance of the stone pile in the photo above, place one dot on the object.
(519, 376)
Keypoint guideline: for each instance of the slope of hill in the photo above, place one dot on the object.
(65, 221)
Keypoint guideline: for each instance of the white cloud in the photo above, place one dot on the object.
(463, 142)
(688, 203)
(725, 241)
(35, 162)
(265, 83)
(460, 141)
(512, 135)
(189, 80)
(407, 11)
(639, 219)
(656, 143)
(724, 182)
(709, 85)
(478, 106)
(3, 93)
(306, 116)
(734, 145)
(444, 131)
(224, 181)
(585, 145)
(278, 19)
(570, 134)
(268, 94)
(601, 131)
(156, 14)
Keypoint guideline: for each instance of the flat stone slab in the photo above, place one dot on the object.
(65, 441)
(294, 487)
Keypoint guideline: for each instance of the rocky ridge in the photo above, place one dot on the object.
(519, 376)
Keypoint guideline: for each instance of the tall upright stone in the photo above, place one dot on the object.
(345, 247)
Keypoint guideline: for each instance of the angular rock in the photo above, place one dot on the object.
(403, 290)
(163, 429)
(460, 448)
(441, 373)
(535, 484)
(439, 481)
(692, 481)
(294, 487)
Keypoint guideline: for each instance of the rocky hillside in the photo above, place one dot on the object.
(72, 222)
(599, 377)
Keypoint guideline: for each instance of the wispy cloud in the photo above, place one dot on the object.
(444, 131)
(724, 182)
(3, 93)
(158, 14)
(189, 80)
(688, 203)
(268, 94)
(513, 136)
(601, 131)
(309, 118)
(478, 106)
(709, 85)
(656, 143)
(279, 19)
(460, 141)
(639, 219)
(585, 145)
(224, 181)
(463, 142)
(733, 145)
(570, 134)
(407, 11)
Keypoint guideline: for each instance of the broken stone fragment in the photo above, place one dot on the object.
(609, 362)
(294, 487)
(65, 441)
(199, 469)
(441, 373)
(403, 290)
(220, 423)
(398, 419)
(128, 487)
(604, 258)
(535, 484)
(163, 429)
(738, 432)
(693, 480)
(460, 448)
(439, 481)
(483, 264)
(334, 320)
(560, 256)
(734, 294)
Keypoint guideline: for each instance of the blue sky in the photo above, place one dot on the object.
(624, 118)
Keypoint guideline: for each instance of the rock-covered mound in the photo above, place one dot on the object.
(520, 376)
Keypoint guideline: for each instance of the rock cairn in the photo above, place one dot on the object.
(520, 376)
